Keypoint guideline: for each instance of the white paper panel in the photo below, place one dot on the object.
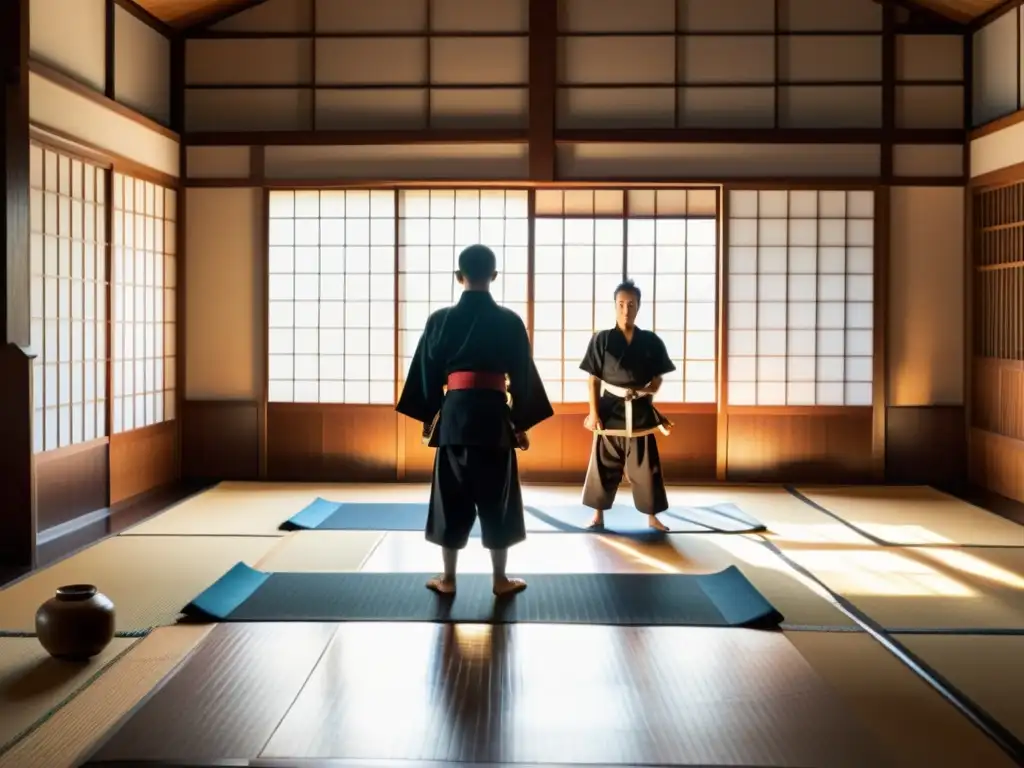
(70, 35)
(726, 15)
(378, 61)
(934, 160)
(995, 70)
(218, 162)
(630, 60)
(272, 16)
(723, 59)
(142, 67)
(710, 162)
(616, 108)
(248, 110)
(831, 15)
(479, 15)
(929, 106)
(365, 109)
(407, 162)
(495, 60)
(830, 107)
(248, 62)
(486, 108)
(727, 107)
(929, 57)
(576, 16)
(809, 58)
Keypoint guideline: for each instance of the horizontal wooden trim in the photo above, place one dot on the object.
(669, 409)
(928, 181)
(146, 18)
(57, 77)
(994, 126)
(588, 136)
(426, 85)
(74, 146)
(349, 138)
(1018, 264)
(1000, 362)
(799, 410)
(937, 27)
(795, 183)
(70, 450)
(763, 136)
(1001, 177)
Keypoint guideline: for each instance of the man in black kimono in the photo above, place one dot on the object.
(474, 386)
(625, 365)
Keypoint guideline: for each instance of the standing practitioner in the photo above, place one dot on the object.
(474, 386)
(626, 365)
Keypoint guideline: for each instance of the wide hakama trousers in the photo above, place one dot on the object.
(472, 482)
(638, 458)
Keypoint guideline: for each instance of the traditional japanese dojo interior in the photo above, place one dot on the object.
(226, 224)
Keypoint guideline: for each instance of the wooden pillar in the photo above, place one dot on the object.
(17, 484)
(542, 76)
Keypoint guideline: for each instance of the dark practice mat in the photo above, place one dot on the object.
(323, 515)
(724, 599)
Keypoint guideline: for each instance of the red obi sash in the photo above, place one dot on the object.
(476, 380)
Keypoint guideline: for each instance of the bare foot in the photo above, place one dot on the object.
(597, 521)
(441, 585)
(506, 586)
(656, 524)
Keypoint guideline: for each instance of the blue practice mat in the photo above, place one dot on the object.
(323, 515)
(724, 599)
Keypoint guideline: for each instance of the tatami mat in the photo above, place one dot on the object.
(322, 551)
(989, 670)
(916, 725)
(258, 509)
(916, 515)
(149, 578)
(32, 684)
(799, 600)
(922, 587)
(64, 739)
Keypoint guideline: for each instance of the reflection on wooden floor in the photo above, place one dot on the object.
(526, 693)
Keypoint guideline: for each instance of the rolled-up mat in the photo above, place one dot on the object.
(721, 599)
(324, 515)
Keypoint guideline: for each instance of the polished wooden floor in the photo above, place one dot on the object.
(475, 693)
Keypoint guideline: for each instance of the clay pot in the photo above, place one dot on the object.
(76, 623)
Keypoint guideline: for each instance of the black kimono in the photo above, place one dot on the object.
(626, 443)
(475, 468)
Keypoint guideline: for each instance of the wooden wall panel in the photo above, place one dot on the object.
(830, 446)
(142, 460)
(142, 67)
(926, 445)
(220, 440)
(997, 463)
(332, 442)
(71, 482)
(997, 396)
(996, 69)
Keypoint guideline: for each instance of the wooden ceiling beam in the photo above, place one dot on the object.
(994, 13)
(926, 13)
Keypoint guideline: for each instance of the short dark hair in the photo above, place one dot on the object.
(477, 262)
(630, 287)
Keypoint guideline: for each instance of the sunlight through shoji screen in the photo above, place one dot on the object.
(434, 226)
(801, 289)
(579, 240)
(143, 271)
(68, 299)
(332, 296)
(672, 254)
